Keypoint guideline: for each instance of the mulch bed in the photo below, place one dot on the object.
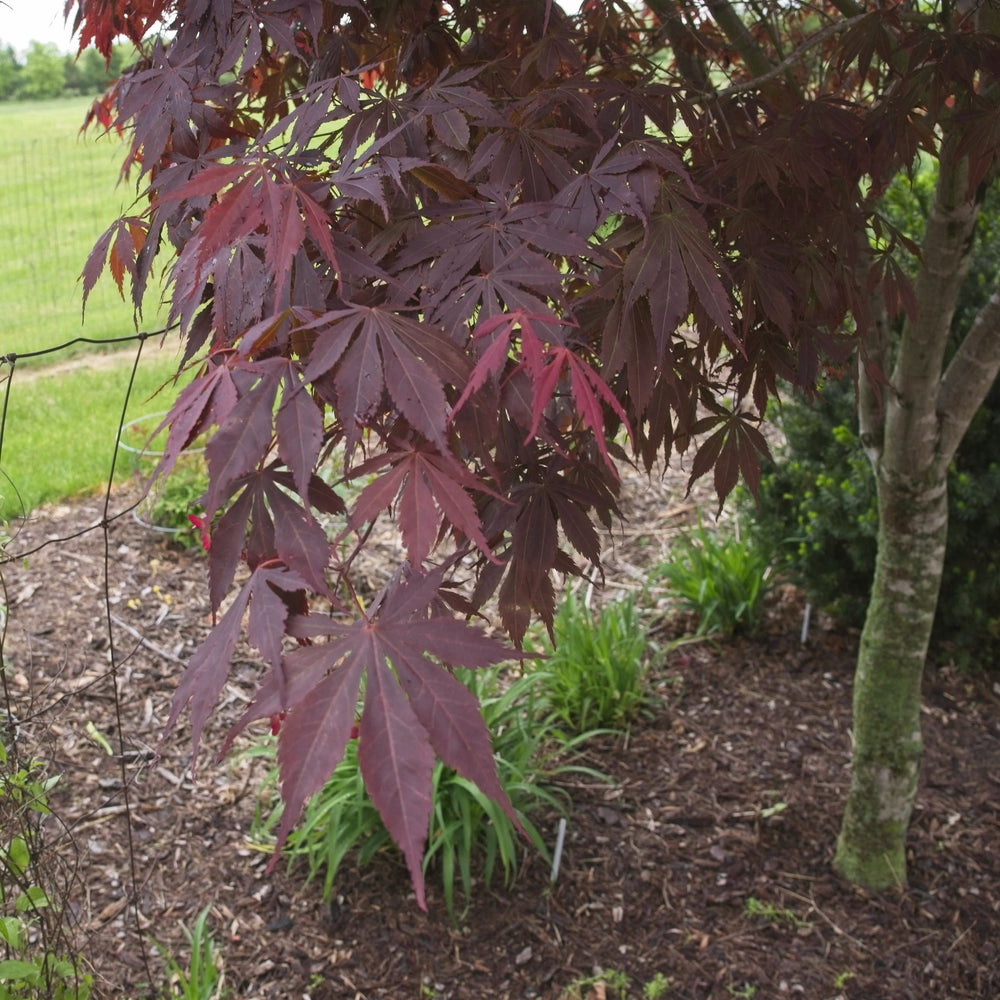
(706, 858)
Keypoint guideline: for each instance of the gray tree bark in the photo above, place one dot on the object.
(911, 431)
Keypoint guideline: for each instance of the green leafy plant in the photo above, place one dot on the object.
(35, 964)
(772, 914)
(204, 976)
(469, 835)
(657, 987)
(171, 502)
(720, 577)
(174, 501)
(817, 513)
(597, 669)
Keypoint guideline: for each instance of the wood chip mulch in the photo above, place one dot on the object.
(704, 861)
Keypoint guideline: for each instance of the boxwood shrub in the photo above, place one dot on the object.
(817, 511)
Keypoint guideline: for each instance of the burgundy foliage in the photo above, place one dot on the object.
(473, 256)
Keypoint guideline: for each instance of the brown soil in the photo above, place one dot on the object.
(727, 792)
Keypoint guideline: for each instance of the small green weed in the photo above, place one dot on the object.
(597, 670)
(775, 809)
(612, 984)
(204, 976)
(657, 987)
(468, 832)
(722, 578)
(746, 992)
(842, 979)
(773, 914)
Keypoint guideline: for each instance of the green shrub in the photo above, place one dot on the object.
(173, 500)
(817, 510)
(597, 670)
(721, 578)
(469, 834)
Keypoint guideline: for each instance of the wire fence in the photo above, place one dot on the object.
(69, 757)
(73, 663)
(58, 193)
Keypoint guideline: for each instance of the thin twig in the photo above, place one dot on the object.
(145, 643)
(836, 927)
(831, 29)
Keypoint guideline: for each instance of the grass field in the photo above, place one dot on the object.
(61, 424)
(58, 192)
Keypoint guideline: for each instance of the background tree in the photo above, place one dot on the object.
(54, 75)
(911, 431)
(465, 250)
(10, 72)
(43, 75)
(928, 70)
(89, 73)
(817, 507)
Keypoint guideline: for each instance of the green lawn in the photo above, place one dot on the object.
(58, 192)
(62, 423)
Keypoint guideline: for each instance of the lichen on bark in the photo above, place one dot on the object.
(888, 747)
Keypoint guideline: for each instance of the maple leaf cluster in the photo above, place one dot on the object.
(475, 254)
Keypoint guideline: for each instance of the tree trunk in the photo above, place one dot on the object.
(913, 524)
(904, 441)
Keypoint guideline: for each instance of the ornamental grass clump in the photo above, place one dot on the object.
(597, 667)
(721, 578)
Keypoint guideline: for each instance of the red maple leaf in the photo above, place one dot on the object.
(413, 708)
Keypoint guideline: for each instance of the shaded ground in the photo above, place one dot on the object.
(706, 860)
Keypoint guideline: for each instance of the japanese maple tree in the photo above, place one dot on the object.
(924, 77)
(479, 255)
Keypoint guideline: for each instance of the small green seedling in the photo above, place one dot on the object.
(657, 987)
(773, 914)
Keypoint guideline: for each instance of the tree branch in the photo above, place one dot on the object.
(848, 7)
(684, 44)
(793, 57)
(912, 430)
(739, 35)
(875, 353)
(969, 376)
(768, 25)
